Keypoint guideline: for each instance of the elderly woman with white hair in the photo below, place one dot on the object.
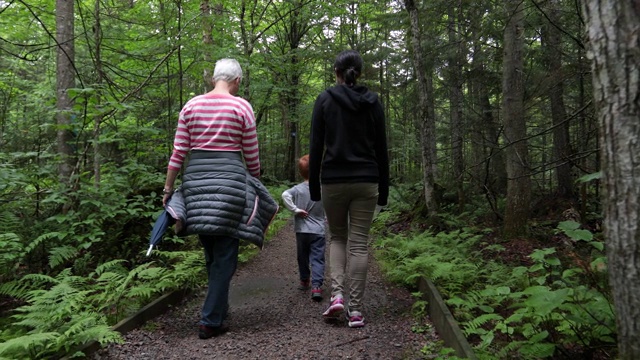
(218, 131)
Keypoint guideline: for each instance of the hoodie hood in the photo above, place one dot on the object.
(353, 98)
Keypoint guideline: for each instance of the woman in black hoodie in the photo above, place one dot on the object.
(348, 156)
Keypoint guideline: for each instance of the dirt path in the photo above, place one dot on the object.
(271, 319)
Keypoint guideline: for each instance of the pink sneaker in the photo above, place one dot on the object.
(336, 308)
(355, 318)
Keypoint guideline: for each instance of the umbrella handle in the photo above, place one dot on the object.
(149, 251)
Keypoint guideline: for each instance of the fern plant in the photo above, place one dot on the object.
(76, 289)
(551, 310)
(55, 320)
(73, 309)
(537, 311)
(438, 257)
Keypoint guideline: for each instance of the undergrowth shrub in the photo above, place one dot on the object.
(558, 306)
(397, 204)
(73, 275)
(551, 310)
(405, 258)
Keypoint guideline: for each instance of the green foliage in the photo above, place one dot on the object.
(47, 265)
(76, 309)
(55, 320)
(553, 300)
(78, 297)
(11, 251)
(437, 256)
(27, 346)
(541, 309)
(419, 307)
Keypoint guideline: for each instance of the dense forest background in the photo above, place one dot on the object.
(489, 107)
(134, 64)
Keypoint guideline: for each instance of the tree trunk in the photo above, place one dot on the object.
(455, 107)
(179, 53)
(65, 80)
(100, 77)
(497, 176)
(427, 122)
(613, 28)
(248, 43)
(488, 171)
(552, 47)
(295, 28)
(515, 130)
(207, 44)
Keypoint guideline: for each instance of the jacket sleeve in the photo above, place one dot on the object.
(316, 148)
(176, 206)
(287, 198)
(382, 155)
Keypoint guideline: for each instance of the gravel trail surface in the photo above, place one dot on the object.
(271, 319)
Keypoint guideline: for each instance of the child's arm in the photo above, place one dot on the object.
(287, 197)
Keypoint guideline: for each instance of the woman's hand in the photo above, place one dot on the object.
(166, 195)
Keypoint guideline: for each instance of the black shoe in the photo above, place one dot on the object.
(205, 332)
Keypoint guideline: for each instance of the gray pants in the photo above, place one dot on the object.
(349, 208)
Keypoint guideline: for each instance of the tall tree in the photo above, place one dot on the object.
(515, 130)
(613, 29)
(65, 80)
(207, 41)
(296, 23)
(455, 101)
(552, 47)
(97, 30)
(488, 167)
(427, 122)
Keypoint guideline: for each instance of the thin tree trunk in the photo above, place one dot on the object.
(248, 43)
(497, 176)
(98, 119)
(179, 54)
(488, 169)
(291, 101)
(296, 27)
(477, 135)
(552, 45)
(427, 121)
(455, 107)
(613, 28)
(515, 131)
(65, 80)
(207, 42)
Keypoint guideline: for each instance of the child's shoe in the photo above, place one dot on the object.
(316, 294)
(335, 309)
(355, 318)
(304, 284)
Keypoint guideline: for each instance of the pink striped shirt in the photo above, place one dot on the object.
(217, 122)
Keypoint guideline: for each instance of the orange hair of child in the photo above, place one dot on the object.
(303, 167)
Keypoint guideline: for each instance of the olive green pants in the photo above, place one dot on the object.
(349, 208)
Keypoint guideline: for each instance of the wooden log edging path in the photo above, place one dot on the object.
(444, 322)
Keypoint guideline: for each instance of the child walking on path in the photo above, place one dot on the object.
(310, 232)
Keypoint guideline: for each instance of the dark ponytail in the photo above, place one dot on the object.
(348, 66)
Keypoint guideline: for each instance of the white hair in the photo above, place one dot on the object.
(227, 70)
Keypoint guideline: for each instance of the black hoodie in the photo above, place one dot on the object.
(348, 140)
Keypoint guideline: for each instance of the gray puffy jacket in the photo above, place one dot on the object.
(219, 197)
